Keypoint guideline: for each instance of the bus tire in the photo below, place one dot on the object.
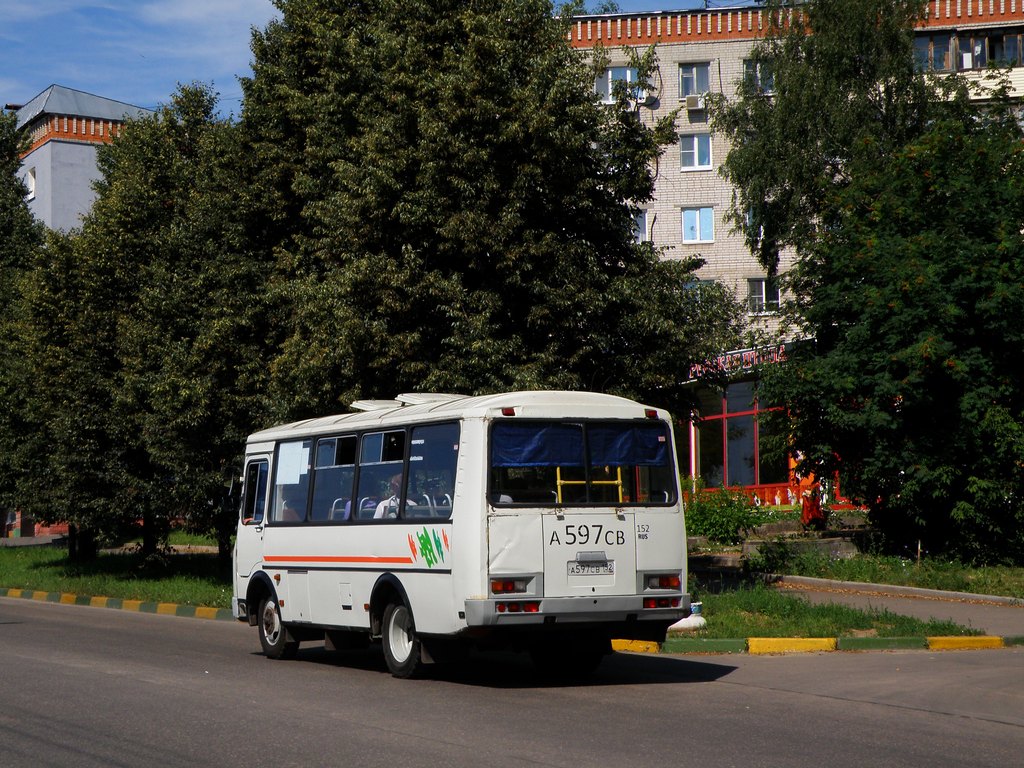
(402, 648)
(274, 637)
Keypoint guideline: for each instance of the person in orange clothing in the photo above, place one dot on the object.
(811, 513)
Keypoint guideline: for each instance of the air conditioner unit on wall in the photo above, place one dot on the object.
(695, 101)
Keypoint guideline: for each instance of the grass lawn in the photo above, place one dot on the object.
(187, 579)
(759, 611)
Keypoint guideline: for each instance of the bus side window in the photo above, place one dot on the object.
(433, 459)
(333, 474)
(381, 462)
(254, 503)
(291, 482)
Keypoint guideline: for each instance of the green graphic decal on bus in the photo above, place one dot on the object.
(432, 546)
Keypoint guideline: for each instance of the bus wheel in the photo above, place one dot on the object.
(273, 635)
(402, 650)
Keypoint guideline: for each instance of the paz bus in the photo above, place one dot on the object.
(548, 522)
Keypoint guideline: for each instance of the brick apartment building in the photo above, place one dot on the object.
(701, 51)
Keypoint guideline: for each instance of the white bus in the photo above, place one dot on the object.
(545, 521)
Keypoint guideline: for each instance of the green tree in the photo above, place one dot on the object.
(146, 334)
(192, 342)
(465, 218)
(897, 195)
(69, 459)
(835, 82)
(21, 237)
(912, 389)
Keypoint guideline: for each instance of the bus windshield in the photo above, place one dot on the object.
(589, 463)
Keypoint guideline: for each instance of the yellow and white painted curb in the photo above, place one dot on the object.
(138, 606)
(783, 645)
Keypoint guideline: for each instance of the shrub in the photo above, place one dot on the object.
(723, 515)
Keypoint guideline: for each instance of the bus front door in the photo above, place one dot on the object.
(249, 539)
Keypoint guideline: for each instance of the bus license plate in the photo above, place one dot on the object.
(606, 568)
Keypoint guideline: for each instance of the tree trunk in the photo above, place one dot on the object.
(150, 539)
(81, 544)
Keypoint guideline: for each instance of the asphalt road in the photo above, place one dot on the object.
(95, 687)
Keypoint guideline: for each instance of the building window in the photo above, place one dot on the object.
(694, 79)
(604, 85)
(1004, 49)
(976, 50)
(695, 151)
(973, 52)
(730, 440)
(640, 227)
(762, 296)
(759, 76)
(699, 225)
(30, 182)
(932, 53)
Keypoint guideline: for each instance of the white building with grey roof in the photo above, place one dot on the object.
(65, 127)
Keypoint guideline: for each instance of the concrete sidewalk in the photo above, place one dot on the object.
(991, 614)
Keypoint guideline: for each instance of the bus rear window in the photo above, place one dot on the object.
(593, 463)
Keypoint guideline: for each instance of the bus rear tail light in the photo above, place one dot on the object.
(664, 581)
(508, 411)
(507, 586)
(650, 413)
(661, 602)
(526, 606)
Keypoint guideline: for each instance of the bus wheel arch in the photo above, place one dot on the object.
(259, 588)
(392, 617)
(386, 591)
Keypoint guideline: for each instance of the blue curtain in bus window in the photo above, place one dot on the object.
(628, 446)
(536, 445)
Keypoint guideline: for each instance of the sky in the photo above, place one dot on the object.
(138, 51)
(135, 51)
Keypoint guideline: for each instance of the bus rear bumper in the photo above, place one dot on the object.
(622, 611)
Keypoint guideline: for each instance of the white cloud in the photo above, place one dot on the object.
(17, 11)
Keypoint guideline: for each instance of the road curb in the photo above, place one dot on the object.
(783, 645)
(767, 645)
(881, 643)
(117, 603)
(672, 644)
(959, 643)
